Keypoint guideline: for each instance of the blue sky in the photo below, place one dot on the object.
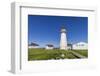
(46, 29)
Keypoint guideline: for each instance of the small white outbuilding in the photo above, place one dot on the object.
(80, 46)
(33, 45)
(49, 46)
(69, 46)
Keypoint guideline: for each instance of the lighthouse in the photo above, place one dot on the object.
(63, 40)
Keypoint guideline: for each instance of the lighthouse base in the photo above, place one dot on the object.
(63, 48)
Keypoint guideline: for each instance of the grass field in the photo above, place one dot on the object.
(43, 54)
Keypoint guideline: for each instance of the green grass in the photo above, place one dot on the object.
(43, 54)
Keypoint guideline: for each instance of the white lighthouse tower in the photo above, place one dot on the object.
(63, 40)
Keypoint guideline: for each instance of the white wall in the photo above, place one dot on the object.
(80, 46)
(49, 47)
(33, 46)
(75, 47)
(63, 41)
(5, 32)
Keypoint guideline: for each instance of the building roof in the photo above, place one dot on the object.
(49, 45)
(33, 44)
(63, 27)
(81, 43)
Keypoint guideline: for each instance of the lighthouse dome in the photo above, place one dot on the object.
(63, 30)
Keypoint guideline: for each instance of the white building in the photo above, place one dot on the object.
(33, 45)
(63, 40)
(80, 46)
(49, 46)
(69, 46)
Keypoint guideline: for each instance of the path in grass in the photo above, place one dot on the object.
(82, 52)
(77, 54)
